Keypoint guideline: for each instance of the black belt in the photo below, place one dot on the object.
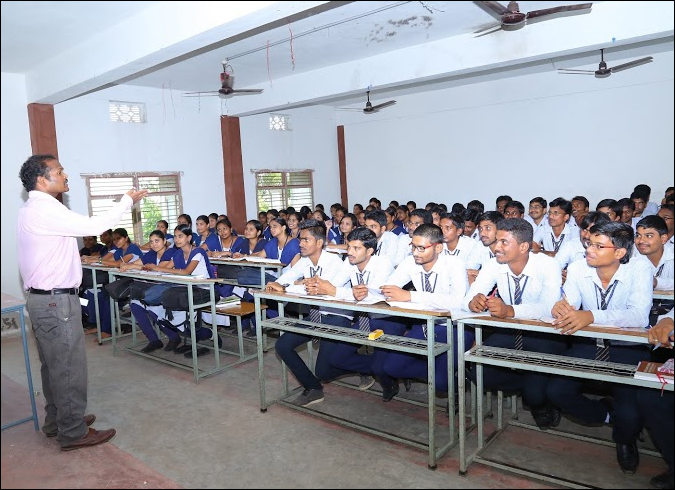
(55, 291)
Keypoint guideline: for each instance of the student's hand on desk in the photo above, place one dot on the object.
(661, 333)
(274, 287)
(499, 309)
(479, 303)
(561, 308)
(137, 195)
(319, 286)
(236, 255)
(395, 293)
(573, 321)
(360, 291)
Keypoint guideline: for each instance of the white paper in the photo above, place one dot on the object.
(262, 259)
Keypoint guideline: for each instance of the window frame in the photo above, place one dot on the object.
(284, 187)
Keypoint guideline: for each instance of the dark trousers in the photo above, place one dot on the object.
(566, 393)
(145, 319)
(103, 309)
(531, 385)
(656, 409)
(345, 357)
(403, 365)
(57, 323)
(290, 341)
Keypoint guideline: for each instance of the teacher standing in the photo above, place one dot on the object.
(50, 266)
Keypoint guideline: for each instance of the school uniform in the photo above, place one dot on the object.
(251, 275)
(230, 245)
(443, 287)
(663, 273)
(532, 296)
(542, 223)
(625, 303)
(552, 243)
(244, 246)
(651, 208)
(397, 230)
(335, 236)
(86, 252)
(403, 249)
(570, 251)
(267, 233)
(330, 268)
(479, 257)
(387, 246)
(211, 241)
(375, 274)
(462, 250)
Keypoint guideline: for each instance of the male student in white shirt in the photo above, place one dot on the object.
(387, 242)
(417, 217)
(666, 212)
(440, 282)
(573, 250)
(480, 256)
(528, 286)
(549, 238)
(537, 214)
(367, 273)
(608, 288)
(304, 276)
(456, 244)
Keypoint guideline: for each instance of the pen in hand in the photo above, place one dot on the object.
(659, 344)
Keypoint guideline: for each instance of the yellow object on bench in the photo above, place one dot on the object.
(375, 334)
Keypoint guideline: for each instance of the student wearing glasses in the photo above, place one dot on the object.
(440, 282)
(549, 238)
(608, 288)
(528, 285)
(537, 215)
(576, 249)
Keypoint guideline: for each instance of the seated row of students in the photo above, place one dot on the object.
(607, 287)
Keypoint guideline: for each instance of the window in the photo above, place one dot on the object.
(282, 189)
(164, 200)
(130, 112)
(280, 122)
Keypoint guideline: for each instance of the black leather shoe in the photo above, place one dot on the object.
(628, 457)
(664, 480)
(182, 349)
(154, 345)
(389, 392)
(201, 351)
(546, 417)
(172, 344)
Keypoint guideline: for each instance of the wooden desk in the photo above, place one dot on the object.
(429, 348)
(534, 361)
(181, 281)
(663, 295)
(11, 304)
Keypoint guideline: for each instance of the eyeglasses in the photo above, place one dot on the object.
(413, 224)
(420, 248)
(588, 244)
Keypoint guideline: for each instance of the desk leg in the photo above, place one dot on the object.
(193, 333)
(451, 378)
(461, 388)
(214, 325)
(479, 390)
(284, 369)
(431, 389)
(259, 346)
(98, 314)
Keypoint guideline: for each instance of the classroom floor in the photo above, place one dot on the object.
(173, 433)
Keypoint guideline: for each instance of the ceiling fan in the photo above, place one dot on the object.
(227, 89)
(603, 70)
(511, 18)
(370, 108)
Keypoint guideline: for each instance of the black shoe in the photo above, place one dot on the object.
(201, 351)
(154, 345)
(546, 417)
(172, 344)
(389, 392)
(664, 480)
(628, 457)
(182, 349)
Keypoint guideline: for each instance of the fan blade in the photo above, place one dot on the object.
(632, 64)
(203, 94)
(211, 92)
(572, 71)
(383, 105)
(555, 10)
(495, 7)
(495, 29)
(248, 91)
(353, 109)
(491, 25)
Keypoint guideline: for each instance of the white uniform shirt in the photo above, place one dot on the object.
(663, 272)
(570, 251)
(403, 248)
(375, 274)
(463, 250)
(448, 281)
(550, 242)
(629, 300)
(540, 286)
(479, 257)
(387, 246)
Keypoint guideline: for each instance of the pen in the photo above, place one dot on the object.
(659, 344)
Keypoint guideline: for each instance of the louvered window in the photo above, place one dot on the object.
(164, 200)
(279, 190)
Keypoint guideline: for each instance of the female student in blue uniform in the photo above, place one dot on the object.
(145, 316)
(226, 240)
(186, 260)
(253, 241)
(293, 220)
(204, 238)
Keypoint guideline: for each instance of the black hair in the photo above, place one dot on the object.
(562, 203)
(158, 233)
(258, 226)
(669, 206)
(364, 235)
(456, 218)
(621, 235)
(426, 216)
(644, 188)
(670, 198)
(594, 218)
(539, 200)
(476, 204)
(121, 232)
(582, 199)
(443, 206)
(34, 167)
(282, 222)
(166, 223)
(505, 197)
(515, 204)
(318, 206)
(413, 203)
(377, 215)
(654, 221)
(430, 205)
(471, 215)
(203, 218)
(391, 211)
(640, 194)
(352, 217)
(289, 210)
(494, 216)
(214, 216)
(304, 211)
(185, 230)
(520, 229)
(626, 202)
(187, 217)
(458, 207)
(316, 228)
(611, 204)
(430, 231)
(360, 206)
(403, 208)
(273, 212)
(394, 203)
(224, 221)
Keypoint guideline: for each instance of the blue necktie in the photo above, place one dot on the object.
(517, 299)
(314, 312)
(601, 346)
(363, 319)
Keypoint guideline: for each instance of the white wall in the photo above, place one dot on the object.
(178, 136)
(541, 134)
(15, 139)
(311, 144)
